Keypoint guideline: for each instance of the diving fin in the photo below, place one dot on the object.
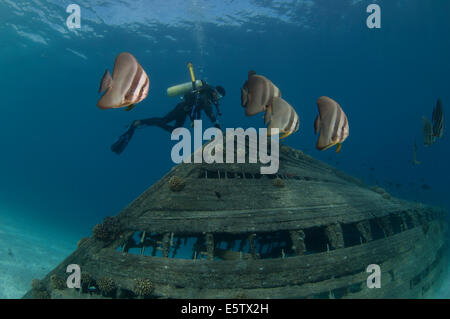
(119, 146)
(130, 107)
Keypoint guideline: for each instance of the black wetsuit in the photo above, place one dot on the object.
(192, 105)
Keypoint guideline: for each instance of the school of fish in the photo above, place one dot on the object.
(129, 85)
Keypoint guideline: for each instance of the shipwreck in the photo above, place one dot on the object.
(227, 231)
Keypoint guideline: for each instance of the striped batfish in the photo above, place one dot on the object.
(438, 120)
(332, 124)
(128, 86)
(281, 115)
(427, 129)
(257, 93)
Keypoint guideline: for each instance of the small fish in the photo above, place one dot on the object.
(219, 196)
(332, 124)
(92, 289)
(128, 86)
(426, 187)
(10, 253)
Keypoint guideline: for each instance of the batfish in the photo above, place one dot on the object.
(332, 124)
(281, 115)
(257, 93)
(438, 120)
(128, 86)
(427, 129)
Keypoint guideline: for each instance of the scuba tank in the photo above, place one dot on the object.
(184, 88)
(181, 89)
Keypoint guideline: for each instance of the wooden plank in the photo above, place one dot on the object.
(365, 230)
(335, 236)
(210, 246)
(298, 241)
(254, 273)
(263, 220)
(396, 285)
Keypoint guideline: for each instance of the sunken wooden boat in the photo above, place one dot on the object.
(226, 231)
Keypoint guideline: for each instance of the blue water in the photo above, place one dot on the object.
(58, 175)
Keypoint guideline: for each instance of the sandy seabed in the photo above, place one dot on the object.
(25, 256)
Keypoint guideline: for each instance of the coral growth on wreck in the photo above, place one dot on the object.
(56, 282)
(297, 154)
(106, 285)
(142, 287)
(82, 241)
(278, 182)
(381, 191)
(176, 183)
(86, 279)
(39, 290)
(108, 230)
(36, 284)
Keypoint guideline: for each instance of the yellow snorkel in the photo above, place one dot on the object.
(191, 70)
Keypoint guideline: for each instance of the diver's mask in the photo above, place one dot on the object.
(217, 96)
(220, 91)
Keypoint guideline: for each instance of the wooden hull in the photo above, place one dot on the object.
(312, 235)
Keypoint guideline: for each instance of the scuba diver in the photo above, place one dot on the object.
(194, 101)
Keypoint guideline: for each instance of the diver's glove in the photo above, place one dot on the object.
(119, 146)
